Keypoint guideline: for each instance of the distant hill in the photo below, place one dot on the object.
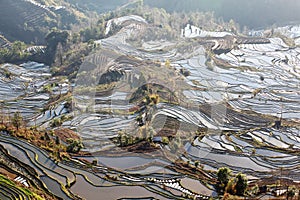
(99, 6)
(250, 13)
(29, 21)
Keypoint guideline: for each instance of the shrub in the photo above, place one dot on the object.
(224, 174)
(75, 146)
(241, 184)
(56, 122)
(17, 120)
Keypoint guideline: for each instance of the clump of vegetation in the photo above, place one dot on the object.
(15, 53)
(17, 120)
(291, 192)
(151, 99)
(185, 72)
(232, 185)
(74, 146)
(224, 175)
(47, 140)
(124, 139)
(56, 122)
(47, 88)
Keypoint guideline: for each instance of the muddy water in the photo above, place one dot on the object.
(89, 192)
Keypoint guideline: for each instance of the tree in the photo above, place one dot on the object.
(75, 146)
(75, 38)
(197, 163)
(17, 120)
(56, 122)
(224, 174)
(57, 140)
(46, 136)
(231, 186)
(241, 184)
(154, 99)
(255, 190)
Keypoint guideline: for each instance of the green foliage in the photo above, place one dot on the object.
(235, 186)
(165, 140)
(94, 162)
(113, 29)
(255, 190)
(5, 55)
(17, 120)
(75, 146)
(231, 186)
(223, 174)
(47, 88)
(241, 184)
(197, 163)
(124, 139)
(93, 33)
(57, 140)
(56, 122)
(151, 99)
(14, 54)
(18, 46)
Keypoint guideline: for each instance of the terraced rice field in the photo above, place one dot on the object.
(234, 106)
(3, 42)
(23, 90)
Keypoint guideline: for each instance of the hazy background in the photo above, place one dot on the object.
(19, 20)
(252, 13)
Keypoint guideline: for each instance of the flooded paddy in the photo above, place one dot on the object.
(224, 115)
(116, 192)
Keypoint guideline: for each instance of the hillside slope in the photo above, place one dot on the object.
(29, 21)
